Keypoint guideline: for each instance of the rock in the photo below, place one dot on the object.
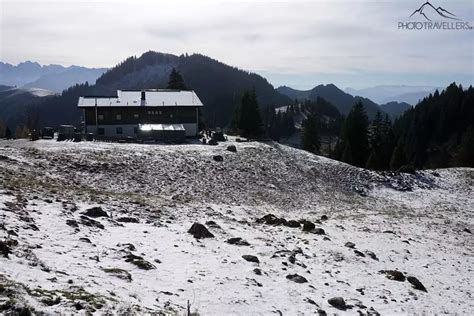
(257, 271)
(237, 241)
(218, 158)
(251, 258)
(292, 223)
(200, 231)
(467, 230)
(212, 224)
(5, 249)
(128, 220)
(212, 142)
(271, 219)
(119, 273)
(139, 261)
(292, 259)
(232, 148)
(86, 240)
(349, 245)
(318, 231)
(296, 278)
(324, 217)
(372, 255)
(72, 223)
(96, 211)
(417, 285)
(90, 222)
(372, 312)
(308, 226)
(393, 275)
(359, 253)
(338, 302)
(321, 312)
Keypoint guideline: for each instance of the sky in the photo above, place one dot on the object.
(298, 43)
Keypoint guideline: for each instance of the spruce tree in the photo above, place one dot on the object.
(347, 154)
(310, 140)
(355, 134)
(176, 81)
(250, 123)
(399, 158)
(466, 149)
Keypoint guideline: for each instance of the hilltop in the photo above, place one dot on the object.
(104, 227)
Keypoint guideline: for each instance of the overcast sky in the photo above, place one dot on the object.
(352, 43)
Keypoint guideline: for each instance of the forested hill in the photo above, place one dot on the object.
(341, 100)
(219, 86)
(439, 131)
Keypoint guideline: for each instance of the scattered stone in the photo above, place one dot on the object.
(119, 273)
(218, 158)
(372, 312)
(393, 275)
(349, 245)
(5, 249)
(359, 253)
(467, 230)
(232, 148)
(308, 226)
(271, 219)
(296, 278)
(338, 302)
(292, 223)
(128, 220)
(251, 258)
(200, 231)
(371, 254)
(257, 271)
(324, 217)
(417, 285)
(72, 223)
(95, 211)
(139, 261)
(311, 301)
(318, 231)
(212, 224)
(292, 259)
(238, 241)
(212, 142)
(84, 239)
(321, 312)
(90, 222)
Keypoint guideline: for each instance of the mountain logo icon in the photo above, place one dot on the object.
(439, 10)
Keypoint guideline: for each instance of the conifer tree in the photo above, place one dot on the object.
(355, 135)
(347, 154)
(399, 158)
(250, 122)
(466, 151)
(310, 140)
(176, 81)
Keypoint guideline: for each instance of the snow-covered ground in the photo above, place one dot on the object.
(141, 259)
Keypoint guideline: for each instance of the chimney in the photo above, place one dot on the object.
(143, 99)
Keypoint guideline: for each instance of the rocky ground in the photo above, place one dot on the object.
(267, 229)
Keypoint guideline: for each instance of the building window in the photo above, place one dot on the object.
(159, 112)
(118, 117)
(135, 130)
(119, 130)
(136, 115)
(100, 117)
(171, 115)
(100, 131)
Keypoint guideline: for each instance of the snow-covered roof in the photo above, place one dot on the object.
(152, 98)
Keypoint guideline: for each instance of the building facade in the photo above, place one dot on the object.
(152, 114)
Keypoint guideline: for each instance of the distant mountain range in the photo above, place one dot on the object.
(219, 86)
(344, 101)
(55, 78)
(388, 93)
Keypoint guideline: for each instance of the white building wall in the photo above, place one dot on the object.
(129, 130)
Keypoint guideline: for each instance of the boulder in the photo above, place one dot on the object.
(338, 302)
(349, 245)
(394, 275)
(218, 158)
(271, 219)
(238, 241)
(212, 142)
(127, 220)
(251, 258)
(308, 226)
(292, 223)
(296, 278)
(90, 222)
(232, 148)
(96, 211)
(324, 217)
(318, 231)
(200, 231)
(417, 285)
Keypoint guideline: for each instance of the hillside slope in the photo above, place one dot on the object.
(61, 257)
